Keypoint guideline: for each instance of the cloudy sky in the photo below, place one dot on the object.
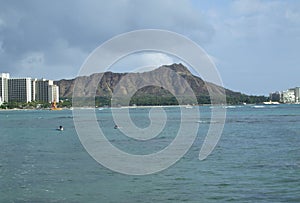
(255, 44)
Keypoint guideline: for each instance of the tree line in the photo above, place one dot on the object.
(145, 100)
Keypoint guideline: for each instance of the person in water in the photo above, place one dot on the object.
(61, 128)
(116, 127)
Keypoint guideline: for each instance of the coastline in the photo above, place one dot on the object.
(136, 107)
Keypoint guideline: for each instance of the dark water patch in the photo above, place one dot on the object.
(64, 117)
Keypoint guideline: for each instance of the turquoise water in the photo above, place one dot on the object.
(256, 160)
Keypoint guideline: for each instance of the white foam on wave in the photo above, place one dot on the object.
(258, 106)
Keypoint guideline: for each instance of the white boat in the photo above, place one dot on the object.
(271, 102)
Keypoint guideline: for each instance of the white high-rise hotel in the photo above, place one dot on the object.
(45, 90)
(27, 90)
(4, 87)
(19, 89)
(289, 96)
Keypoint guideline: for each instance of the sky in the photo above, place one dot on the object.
(255, 44)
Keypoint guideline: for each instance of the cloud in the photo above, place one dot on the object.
(254, 39)
(1, 49)
(2, 23)
(66, 32)
(260, 19)
(32, 60)
(143, 61)
(251, 7)
(293, 16)
(156, 59)
(52, 39)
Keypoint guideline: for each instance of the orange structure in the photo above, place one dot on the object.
(54, 106)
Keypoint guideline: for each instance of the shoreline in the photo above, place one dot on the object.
(136, 107)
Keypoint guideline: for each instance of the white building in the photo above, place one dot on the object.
(290, 96)
(33, 89)
(42, 90)
(297, 94)
(19, 90)
(4, 87)
(27, 90)
(53, 93)
(46, 91)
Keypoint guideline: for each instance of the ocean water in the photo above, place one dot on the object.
(256, 160)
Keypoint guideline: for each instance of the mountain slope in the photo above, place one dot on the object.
(163, 81)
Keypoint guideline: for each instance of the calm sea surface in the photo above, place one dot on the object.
(256, 160)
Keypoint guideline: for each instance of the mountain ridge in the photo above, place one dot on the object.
(126, 82)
